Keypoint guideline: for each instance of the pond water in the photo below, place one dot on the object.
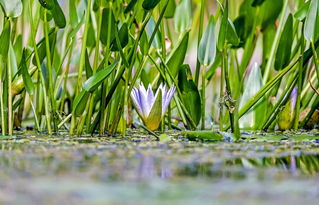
(139, 170)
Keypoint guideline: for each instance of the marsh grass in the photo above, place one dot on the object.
(71, 65)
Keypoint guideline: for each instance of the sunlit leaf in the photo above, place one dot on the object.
(94, 81)
(178, 55)
(312, 20)
(252, 85)
(183, 16)
(207, 46)
(12, 8)
(302, 12)
(74, 19)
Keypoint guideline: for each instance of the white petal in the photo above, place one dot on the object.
(137, 101)
(168, 99)
(146, 107)
(150, 96)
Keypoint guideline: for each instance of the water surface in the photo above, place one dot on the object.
(139, 170)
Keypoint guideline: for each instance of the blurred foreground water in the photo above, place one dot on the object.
(138, 170)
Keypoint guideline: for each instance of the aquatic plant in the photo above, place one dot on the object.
(72, 65)
(151, 108)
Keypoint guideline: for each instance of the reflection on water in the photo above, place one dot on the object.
(115, 171)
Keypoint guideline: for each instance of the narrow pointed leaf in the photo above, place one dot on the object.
(58, 15)
(26, 76)
(108, 20)
(123, 36)
(5, 40)
(207, 46)
(252, 85)
(311, 21)
(190, 94)
(94, 81)
(302, 11)
(178, 55)
(183, 16)
(285, 44)
(150, 4)
(80, 102)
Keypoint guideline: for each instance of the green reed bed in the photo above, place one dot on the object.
(103, 66)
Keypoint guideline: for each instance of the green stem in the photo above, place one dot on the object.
(203, 97)
(10, 113)
(297, 113)
(275, 44)
(49, 66)
(3, 124)
(36, 54)
(82, 59)
(232, 109)
(200, 33)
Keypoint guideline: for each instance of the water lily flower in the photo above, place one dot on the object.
(151, 108)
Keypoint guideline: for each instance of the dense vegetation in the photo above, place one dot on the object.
(73, 65)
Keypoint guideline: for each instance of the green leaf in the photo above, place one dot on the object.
(94, 81)
(26, 76)
(231, 34)
(108, 20)
(48, 4)
(183, 16)
(189, 93)
(18, 47)
(130, 6)
(90, 42)
(202, 135)
(269, 16)
(58, 15)
(170, 10)
(150, 28)
(252, 85)
(80, 102)
(223, 29)
(257, 3)
(11, 8)
(302, 11)
(144, 44)
(123, 36)
(5, 40)
(311, 24)
(150, 4)
(13, 60)
(41, 46)
(74, 19)
(207, 46)
(285, 44)
(88, 68)
(177, 56)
